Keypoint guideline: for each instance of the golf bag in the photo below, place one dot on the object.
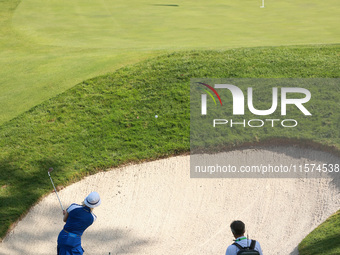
(247, 250)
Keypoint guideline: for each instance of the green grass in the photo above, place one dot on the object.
(109, 120)
(324, 239)
(49, 46)
(193, 23)
(32, 72)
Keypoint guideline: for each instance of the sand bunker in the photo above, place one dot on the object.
(155, 208)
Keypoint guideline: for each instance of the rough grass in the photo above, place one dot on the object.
(324, 240)
(110, 120)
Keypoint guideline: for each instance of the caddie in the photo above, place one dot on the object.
(242, 245)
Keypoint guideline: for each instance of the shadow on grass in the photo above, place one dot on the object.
(20, 189)
(327, 245)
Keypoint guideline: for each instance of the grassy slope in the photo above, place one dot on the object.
(324, 239)
(49, 46)
(109, 120)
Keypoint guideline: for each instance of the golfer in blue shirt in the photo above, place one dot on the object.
(78, 218)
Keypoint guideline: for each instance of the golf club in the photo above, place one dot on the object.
(50, 170)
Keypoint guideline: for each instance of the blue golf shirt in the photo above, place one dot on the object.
(79, 219)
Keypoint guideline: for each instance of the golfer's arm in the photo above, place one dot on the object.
(65, 216)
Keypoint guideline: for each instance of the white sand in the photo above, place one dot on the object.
(155, 208)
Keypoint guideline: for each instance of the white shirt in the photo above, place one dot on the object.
(232, 249)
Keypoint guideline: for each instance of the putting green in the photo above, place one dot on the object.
(49, 46)
(176, 24)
